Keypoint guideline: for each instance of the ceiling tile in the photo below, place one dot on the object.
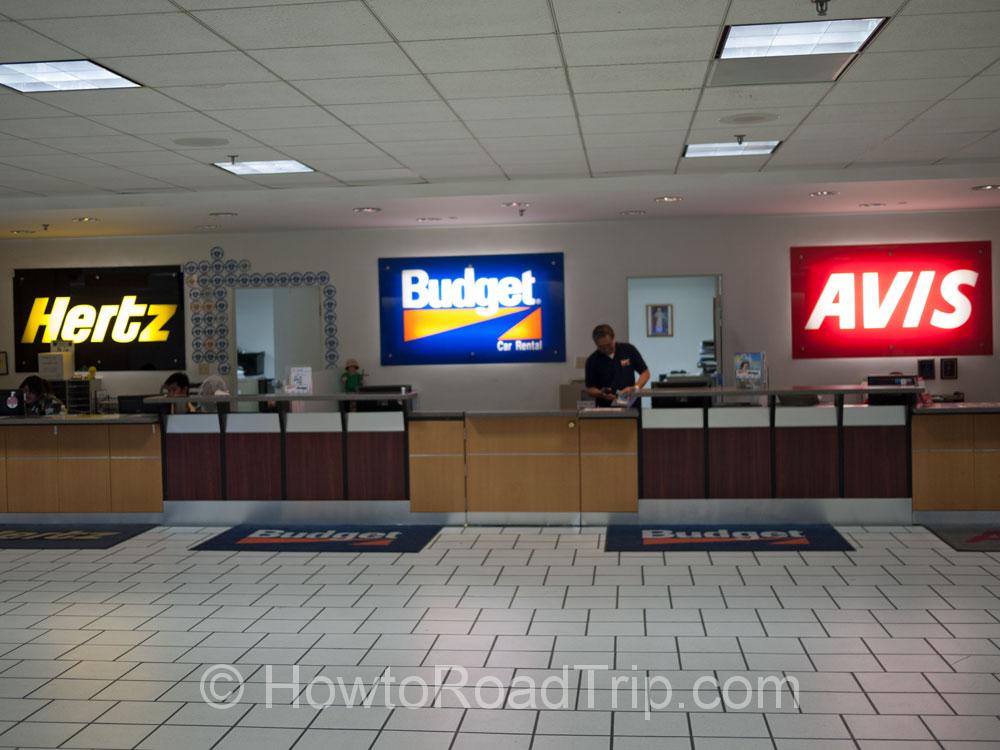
(452, 19)
(295, 25)
(145, 159)
(504, 53)
(368, 90)
(771, 11)
(426, 131)
(374, 176)
(214, 4)
(545, 170)
(330, 152)
(873, 129)
(330, 135)
(386, 114)
(980, 87)
(53, 127)
(359, 164)
(879, 92)
(51, 163)
(683, 100)
(601, 15)
(763, 98)
(943, 31)
(234, 140)
(293, 180)
(112, 101)
(151, 34)
(952, 125)
(722, 164)
(523, 126)
(635, 123)
(443, 172)
(20, 105)
(273, 117)
(20, 147)
(947, 6)
(163, 122)
(458, 146)
(529, 142)
(645, 46)
(706, 130)
(346, 61)
(988, 147)
(514, 107)
(97, 144)
(851, 113)
(238, 96)
(19, 9)
(634, 140)
(927, 63)
(958, 108)
(637, 77)
(501, 83)
(190, 69)
(18, 44)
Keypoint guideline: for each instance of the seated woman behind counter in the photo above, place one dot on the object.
(39, 400)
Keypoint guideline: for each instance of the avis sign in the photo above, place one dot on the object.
(892, 300)
(472, 309)
(117, 318)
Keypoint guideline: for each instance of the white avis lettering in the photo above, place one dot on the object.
(838, 300)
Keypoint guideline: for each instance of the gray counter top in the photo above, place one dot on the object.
(800, 390)
(80, 419)
(971, 407)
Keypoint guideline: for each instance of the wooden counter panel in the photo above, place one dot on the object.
(875, 462)
(84, 486)
(83, 441)
(806, 462)
(609, 484)
(986, 428)
(194, 466)
(522, 434)
(3, 485)
(33, 484)
(943, 431)
(944, 480)
(375, 466)
(32, 442)
(673, 463)
(739, 462)
(136, 485)
(314, 466)
(608, 436)
(437, 484)
(527, 484)
(253, 466)
(134, 440)
(986, 480)
(445, 436)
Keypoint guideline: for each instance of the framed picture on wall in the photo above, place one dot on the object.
(659, 320)
(3, 363)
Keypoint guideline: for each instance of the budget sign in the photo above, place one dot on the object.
(892, 300)
(472, 309)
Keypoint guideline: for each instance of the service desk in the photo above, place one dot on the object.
(80, 464)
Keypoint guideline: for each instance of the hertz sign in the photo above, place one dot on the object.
(118, 318)
(892, 300)
(471, 310)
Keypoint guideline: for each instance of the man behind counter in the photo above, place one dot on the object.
(613, 367)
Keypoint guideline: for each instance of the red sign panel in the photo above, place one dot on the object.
(892, 300)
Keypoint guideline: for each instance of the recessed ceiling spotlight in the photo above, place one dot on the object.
(986, 187)
(20, 232)
(65, 75)
(798, 38)
(870, 205)
(632, 212)
(85, 219)
(367, 210)
(823, 194)
(281, 166)
(515, 204)
(668, 199)
(730, 148)
(221, 214)
(429, 218)
(209, 227)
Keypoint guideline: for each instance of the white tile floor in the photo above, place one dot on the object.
(893, 646)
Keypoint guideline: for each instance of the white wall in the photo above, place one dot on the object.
(692, 298)
(750, 253)
(255, 324)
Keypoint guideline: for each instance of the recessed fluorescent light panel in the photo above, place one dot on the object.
(264, 167)
(804, 38)
(67, 75)
(730, 148)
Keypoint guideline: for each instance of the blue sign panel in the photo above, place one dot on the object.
(472, 309)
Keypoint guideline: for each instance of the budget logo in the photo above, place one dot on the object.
(892, 300)
(477, 309)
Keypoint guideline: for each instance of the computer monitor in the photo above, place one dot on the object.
(682, 402)
(892, 399)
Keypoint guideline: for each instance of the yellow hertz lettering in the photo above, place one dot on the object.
(82, 323)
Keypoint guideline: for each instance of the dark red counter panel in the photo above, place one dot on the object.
(876, 452)
(314, 457)
(376, 456)
(673, 453)
(806, 451)
(253, 457)
(193, 452)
